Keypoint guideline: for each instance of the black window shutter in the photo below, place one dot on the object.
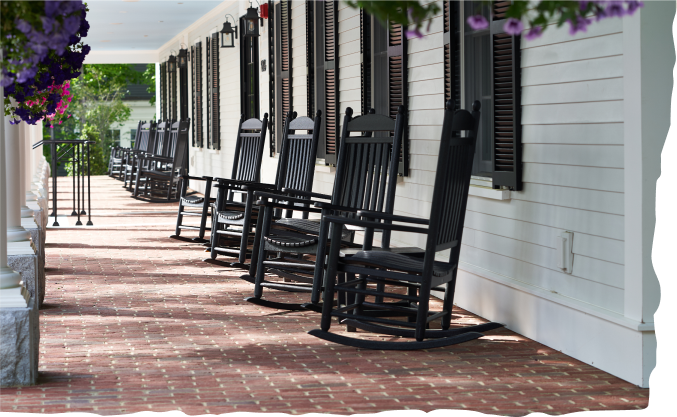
(199, 100)
(174, 91)
(216, 93)
(283, 65)
(452, 57)
(327, 77)
(506, 99)
(163, 90)
(208, 92)
(310, 60)
(365, 66)
(183, 91)
(272, 65)
(397, 84)
(193, 78)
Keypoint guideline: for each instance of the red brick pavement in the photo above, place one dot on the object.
(135, 321)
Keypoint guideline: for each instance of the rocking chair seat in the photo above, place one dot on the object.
(230, 215)
(309, 226)
(291, 241)
(396, 261)
(192, 200)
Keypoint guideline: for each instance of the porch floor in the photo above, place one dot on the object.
(134, 321)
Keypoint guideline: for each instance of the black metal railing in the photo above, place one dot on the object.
(76, 153)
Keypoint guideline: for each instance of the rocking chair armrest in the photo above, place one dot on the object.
(368, 214)
(286, 205)
(375, 225)
(336, 207)
(282, 197)
(261, 186)
(294, 191)
(188, 177)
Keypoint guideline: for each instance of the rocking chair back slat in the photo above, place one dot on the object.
(179, 134)
(298, 153)
(144, 136)
(366, 169)
(450, 196)
(249, 149)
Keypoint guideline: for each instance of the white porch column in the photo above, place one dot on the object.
(15, 232)
(28, 158)
(23, 173)
(12, 293)
(649, 58)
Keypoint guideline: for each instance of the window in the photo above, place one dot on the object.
(249, 74)
(491, 67)
(384, 73)
(132, 138)
(282, 68)
(198, 100)
(213, 94)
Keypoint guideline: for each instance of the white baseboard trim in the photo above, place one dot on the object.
(602, 339)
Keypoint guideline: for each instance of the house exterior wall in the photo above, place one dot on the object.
(574, 156)
(141, 110)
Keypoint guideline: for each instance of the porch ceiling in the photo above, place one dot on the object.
(133, 31)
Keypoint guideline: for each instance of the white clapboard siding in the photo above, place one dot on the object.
(610, 250)
(595, 200)
(574, 92)
(564, 218)
(595, 112)
(580, 134)
(426, 117)
(603, 156)
(602, 272)
(591, 48)
(554, 35)
(605, 179)
(589, 69)
(427, 102)
(424, 147)
(424, 132)
(429, 57)
(431, 41)
(601, 295)
(427, 72)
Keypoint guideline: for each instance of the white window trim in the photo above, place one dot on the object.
(481, 187)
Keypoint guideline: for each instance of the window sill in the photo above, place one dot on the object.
(481, 187)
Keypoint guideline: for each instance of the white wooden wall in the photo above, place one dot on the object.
(572, 97)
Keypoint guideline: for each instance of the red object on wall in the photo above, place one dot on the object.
(264, 10)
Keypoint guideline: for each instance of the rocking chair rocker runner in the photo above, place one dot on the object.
(366, 175)
(379, 271)
(251, 135)
(295, 169)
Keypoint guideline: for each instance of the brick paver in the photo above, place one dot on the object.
(134, 321)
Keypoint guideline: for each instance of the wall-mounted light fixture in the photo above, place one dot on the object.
(183, 57)
(228, 34)
(171, 62)
(251, 28)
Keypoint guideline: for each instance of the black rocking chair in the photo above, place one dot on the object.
(119, 155)
(384, 275)
(366, 175)
(246, 168)
(146, 143)
(162, 172)
(295, 170)
(230, 217)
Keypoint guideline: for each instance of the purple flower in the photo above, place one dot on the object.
(615, 8)
(47, 24)
(23, 26)
(633, 5)
(477, 22)
(52, 7)
(534, 32)
(513, 26)
(25, 75)
(580, 25)
(71, 24)
(416, 33)
(6, 81)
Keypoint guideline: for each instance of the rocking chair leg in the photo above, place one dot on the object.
(448, 303)
(260, 270)
(138, 180)
(242, 258)
(422, 311)
(330, 278)
(253, 262)
(205, 206)
(319, 261)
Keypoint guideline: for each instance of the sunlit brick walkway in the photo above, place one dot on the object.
(135, 321)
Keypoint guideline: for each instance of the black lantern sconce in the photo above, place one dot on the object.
(228, 34)
(171, 62)
(251, 19)
(183, 57)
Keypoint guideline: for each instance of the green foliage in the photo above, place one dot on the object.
(149, 80)
(406, 13)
